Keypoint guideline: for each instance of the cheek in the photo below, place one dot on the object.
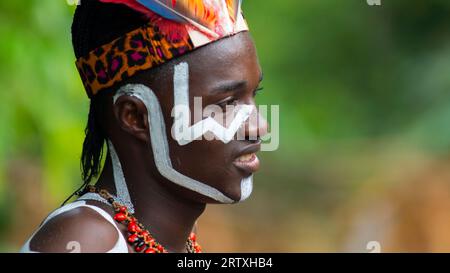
(206, 161)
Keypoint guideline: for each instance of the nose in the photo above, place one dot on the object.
(256, 126)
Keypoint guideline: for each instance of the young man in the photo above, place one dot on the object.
(149, 67)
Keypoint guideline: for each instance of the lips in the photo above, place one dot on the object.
(247, 161)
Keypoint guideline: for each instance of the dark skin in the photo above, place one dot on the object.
(166, 209)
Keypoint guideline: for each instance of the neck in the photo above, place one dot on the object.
(169, 218)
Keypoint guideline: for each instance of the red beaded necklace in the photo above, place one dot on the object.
(139, 237)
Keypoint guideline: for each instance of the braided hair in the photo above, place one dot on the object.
(95, 24)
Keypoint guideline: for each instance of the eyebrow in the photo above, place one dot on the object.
(226, 87)
(233, 85)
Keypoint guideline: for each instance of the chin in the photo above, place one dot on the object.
(246, 188)
(241, 189)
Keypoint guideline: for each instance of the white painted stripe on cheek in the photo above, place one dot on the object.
(160, 145)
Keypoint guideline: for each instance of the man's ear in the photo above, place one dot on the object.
(132, 117)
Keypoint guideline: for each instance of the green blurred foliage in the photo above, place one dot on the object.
(346, 76)
(343, 69)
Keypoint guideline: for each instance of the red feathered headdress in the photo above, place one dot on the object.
(174, 28)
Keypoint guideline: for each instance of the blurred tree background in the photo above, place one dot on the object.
(364, 94)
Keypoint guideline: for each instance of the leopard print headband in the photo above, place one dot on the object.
(138, 50)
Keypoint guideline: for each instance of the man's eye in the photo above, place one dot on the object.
(257, 90)
(227, 101)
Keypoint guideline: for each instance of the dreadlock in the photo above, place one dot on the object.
(95, 24)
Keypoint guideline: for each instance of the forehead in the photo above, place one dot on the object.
(229, 59)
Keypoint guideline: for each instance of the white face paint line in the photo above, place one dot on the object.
(182, 132)
(246, 187)
(123, 196)
(160, 145)
(159, 141)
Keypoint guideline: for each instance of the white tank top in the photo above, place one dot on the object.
(121, 244)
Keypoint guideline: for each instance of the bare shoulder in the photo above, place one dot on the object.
(78, 230)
